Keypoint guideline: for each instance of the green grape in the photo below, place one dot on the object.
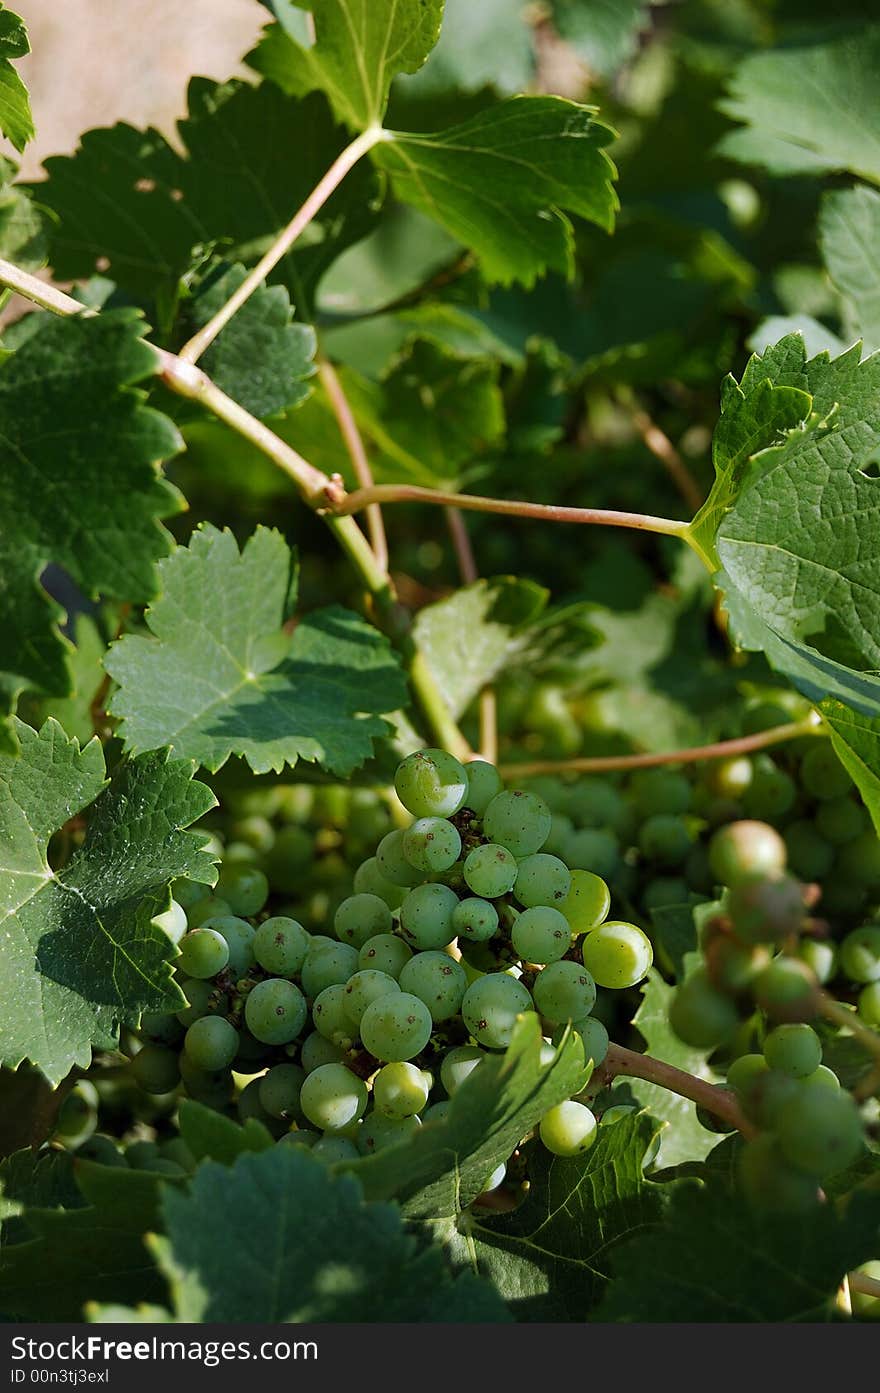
(822, 773)
(490, 1008)
(712, 1122)
(772, 792)
(594, 1036)
(275, 1011)
(794, 1050)
(475, 920)
(392, 863)
(213, 1088)
(385, 953)
(248, 1105)
(437, 1112)
(327, 963)
(172, 921)
(161, 1029)
(396, 1027)
(617, 955)
(698, 872)
(102, 1150)
(819, 1131)
(542, 880)
(765, 1097)
(78, 1115)
(490, 871)
(840, 820)
(820, 956)
(745, 849)
(660, 792)
(665, 891)
(770, 1183)
(517, 820)
(859, 860)
(360, 917)
(824, 1077)
(140, 1155)
(860, 954)
(431, 783)
(745, 1070)
(766, 909)
(155, 1068)
(699, 1014)
(315, 1051)
(292, 853)
(458, 1064)
(587, 904)
(809, 855)
(186, 892)
(379, 1131)
(869, 1004)
(592, 803)
(211, 1043)
(301, 1137)
(331, 1017)
(730, 778)
(239, 935)
(255, 830)
(541, 935)
(484, 782)
(280, 946)
(369, 880)
(365, 987)
(431, 844)
(564, 992)
(203, 953)
(205, 908)
(594, 847)
(787, 990)
(764, 715)
(332, 1097)
(665, 839)
(279, 1091)
(568, 1129)
(437, 980)
(732, 965)
(202, 998)
(245, 888)
(866, 1305)
(401, 1089)
(333, 1150)
(426, 916)
(252, 1055)
(561, 828)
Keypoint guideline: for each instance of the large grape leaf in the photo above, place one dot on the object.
(849, 231)
(503, 182)
(22, 228)
(604, 33)
(221, 676)
(811, 108)
(16, 121)
(856, 740)
(307, 1248)
(34, 1180)
(717, 1259)
(444, 1166)
(484, 45)
(129, 202)
(550, 1257)
(78, 485)
(81, 954)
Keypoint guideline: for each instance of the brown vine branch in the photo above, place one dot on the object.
(354, 444)
(621, 1062)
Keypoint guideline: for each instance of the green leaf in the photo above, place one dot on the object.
(209, 1134)
(85, 662)
(717, 1259)
(78, 473)
(16, 122)
(444, 1166)
(243, 685)
(23, 238)
(32, 1180)
(849, 232)
(683, 1139)
(550, 1258)
(92, 1253)
(604, 33)
(484, 45)
(307, 1248)
(251, 157)
(810, 108)
(502, 182)
(261, 359)
(81, 954)
(360, 45)
(469, 638)
(28, 1109)
(856, 741)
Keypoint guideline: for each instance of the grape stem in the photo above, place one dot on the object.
(723, 749)
(620, 1061)
(354, 444)
(849, 1020)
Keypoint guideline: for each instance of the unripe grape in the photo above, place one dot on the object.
(431, 783)
(699, 1014)
(766, 909)
(745, 849)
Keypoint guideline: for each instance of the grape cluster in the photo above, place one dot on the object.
(460, 922)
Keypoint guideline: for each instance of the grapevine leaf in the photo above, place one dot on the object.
(307, 1248)
(604, 33)
(444, 1166)
(16, 121)
(28, 1109)
(849, 231)
(502, 182)
(721, 1260)
(91, 1253)
(550, 1257)
(78, 473)
(683, 1138)
(261, 359)
(74, 712)
(480, 46)
(29, 1180)
(469, 638)
(251, 157)
(81, 954)
(856, 741)
(209, 1134)
(240, 683)
(360, 46)
(809, 109)
(22, 229)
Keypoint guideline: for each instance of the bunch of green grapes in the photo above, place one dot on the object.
(350, 1041)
